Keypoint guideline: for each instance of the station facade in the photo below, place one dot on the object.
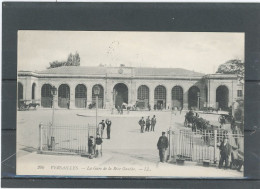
(166, 88)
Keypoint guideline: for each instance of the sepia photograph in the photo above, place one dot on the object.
(130, 104)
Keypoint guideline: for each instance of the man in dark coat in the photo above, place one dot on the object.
(142, 123)
(108, 123)
(148, 123)
(162, 145)
(91, 145)
(103, 125)
(153, 122)
(99, 142)
(225, 151)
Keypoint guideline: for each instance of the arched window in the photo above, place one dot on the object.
(33, 91)
(64, 96)
(222, 98)
(143, 96)
(46, 97)
(193, 97)
(81, 96)
(160, 97)
(177, 97)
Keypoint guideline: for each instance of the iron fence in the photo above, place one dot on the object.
(201, 145)
(70, 139)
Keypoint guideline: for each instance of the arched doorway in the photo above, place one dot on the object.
(33, 91)
(160, 97)
(81, 96)
(193, 97)
(142, 97)
(222, 97)
(177, 97)
(20, 91)
(64, 96)
(100, 96)
(120, 94)
(46, 97)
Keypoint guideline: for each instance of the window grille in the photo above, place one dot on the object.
(239, 93)
(46, 90)
(177, 93)
(143, 92)
(64, 91)
(160, 92)
(81, 91)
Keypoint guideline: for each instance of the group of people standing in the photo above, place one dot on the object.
(149, 123)
(101, 127)
(95, 145)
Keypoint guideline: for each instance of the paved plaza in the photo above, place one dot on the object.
(127, 145)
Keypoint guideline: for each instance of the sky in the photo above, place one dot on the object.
(197, 51)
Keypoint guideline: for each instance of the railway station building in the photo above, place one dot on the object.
(158, 87)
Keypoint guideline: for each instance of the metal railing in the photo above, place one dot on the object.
(201, 145)
(69, 139)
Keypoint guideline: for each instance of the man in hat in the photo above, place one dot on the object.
(148, 123)
(162, 145)
(108, 123)
(101, 127)
(142, 123)
(91, 146)
(153, 122)
(225, 151)
(98, 145)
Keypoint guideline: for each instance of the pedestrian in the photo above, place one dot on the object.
(98, 145)
(149, 107)
(153, 123)
(101, 127)
(148, 123)
(68, 104)
(162, 145)
(118, 110)
(225, 151)
(142, 123)
(236, 133)
(108, 123)
(91, 146)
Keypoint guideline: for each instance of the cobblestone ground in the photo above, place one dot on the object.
(127, 145)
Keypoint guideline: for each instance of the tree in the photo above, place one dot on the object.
(233, 66)
(72, 60)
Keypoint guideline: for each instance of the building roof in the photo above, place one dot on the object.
(144, 71)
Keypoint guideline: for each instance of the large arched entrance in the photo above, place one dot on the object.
(46, 97)
(81, 96)
(100, 96)
(120, 94)
(64, 96)
(160, 97)
(193, 97)
(222, 97)
(143, 97)
(177, 97)
(20, 91)
(33, 91)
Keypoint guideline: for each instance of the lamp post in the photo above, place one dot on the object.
(96, 93)
(53, 93)
(198, 102)
(52, 141)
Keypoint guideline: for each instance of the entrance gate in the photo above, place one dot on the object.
(201, 145)
(64, 96)
(121, 94)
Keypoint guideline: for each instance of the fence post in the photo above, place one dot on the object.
(215, 146)
(40, 137)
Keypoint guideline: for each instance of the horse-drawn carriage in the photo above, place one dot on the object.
(24, 105)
